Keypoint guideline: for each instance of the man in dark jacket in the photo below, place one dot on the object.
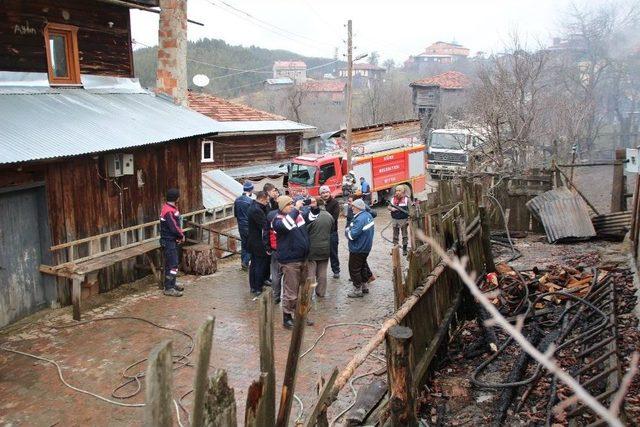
(240, 211)
(292, 251)
(360, 234)
(319, 244)
(333, 207)
(399, 208)
(257, 243)
(171, 235)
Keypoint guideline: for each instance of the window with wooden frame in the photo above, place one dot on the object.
(63, 62)
(207, 151)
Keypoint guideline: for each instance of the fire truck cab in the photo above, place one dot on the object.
(384, 164)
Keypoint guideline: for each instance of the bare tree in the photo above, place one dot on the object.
(506, 102)
(294, 101)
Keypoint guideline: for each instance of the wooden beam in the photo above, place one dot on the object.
(399, 289)
(158, 409)
(267, 359)
(593, 208)
(76, 297)
(323, 399)
(619, 188)
(204, 339)
(255, 400)
(297, 335)
(402, 402)
(394, 320)
(485, 236)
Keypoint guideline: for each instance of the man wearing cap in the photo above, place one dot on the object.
(360, 234)
(292, 251)
(399, 208)
(241, 212)
(333, 207)
(171, 235)
(319, 230)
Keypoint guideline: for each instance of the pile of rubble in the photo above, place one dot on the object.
(583, 312)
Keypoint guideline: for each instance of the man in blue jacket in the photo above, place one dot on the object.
(366, 190)
(360, 234)
(241, 212)
(171, 235)
(292, 250)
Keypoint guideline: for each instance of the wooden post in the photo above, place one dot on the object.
(619, 188)
(76, 297)
(349, 88)
(399, 289)
(220, 402)
(267, 360)
(297, 335)
(158, 409)
(255, 401)
(320, 406)
(204, 338)
(402, 401)
(485, 235)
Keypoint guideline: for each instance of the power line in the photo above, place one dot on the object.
(266, 25)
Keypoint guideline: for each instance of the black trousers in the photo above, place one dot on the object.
(359, 270)
(259, 270)
(170, 249)
(335, 261)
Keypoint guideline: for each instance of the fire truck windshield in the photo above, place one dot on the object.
(302, 174)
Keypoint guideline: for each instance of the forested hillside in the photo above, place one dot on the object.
(230, 80)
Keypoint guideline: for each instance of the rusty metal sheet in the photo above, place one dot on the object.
(612, 226)
(564, 215)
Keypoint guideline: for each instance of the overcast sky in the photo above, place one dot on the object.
(394, 28)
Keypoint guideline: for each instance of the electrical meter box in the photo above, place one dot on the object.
(113, 165)
(127, 164)
(119, 164)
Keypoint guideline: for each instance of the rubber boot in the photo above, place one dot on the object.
(287, 321)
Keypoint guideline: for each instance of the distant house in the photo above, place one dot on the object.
(431, 94)
(248, 141)
(437, 53)
(364, 74)
(279, 83)
(325, 90)
(295, 70)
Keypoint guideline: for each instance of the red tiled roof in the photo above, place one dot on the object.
(289, 64)
(226, 111)
(448, 80)
(324, 86)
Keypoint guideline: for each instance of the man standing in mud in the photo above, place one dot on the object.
(171, 235)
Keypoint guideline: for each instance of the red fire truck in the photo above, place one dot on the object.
(384, 164)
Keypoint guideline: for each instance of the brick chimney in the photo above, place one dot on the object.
(171, 77)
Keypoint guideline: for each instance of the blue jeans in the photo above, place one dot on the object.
(170, 249)
(335, 261)
(245, 256)
(258, 272)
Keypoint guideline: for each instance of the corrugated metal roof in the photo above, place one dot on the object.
(564, 215)
(261, 127)
(71, 122)
(258, 171)
(219, 189)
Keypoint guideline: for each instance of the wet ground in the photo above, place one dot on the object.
(93, 356)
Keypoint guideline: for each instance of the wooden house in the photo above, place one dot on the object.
(84, 150)
(433, 95)
(248, 140)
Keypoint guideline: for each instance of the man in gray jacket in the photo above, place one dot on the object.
(319, 230)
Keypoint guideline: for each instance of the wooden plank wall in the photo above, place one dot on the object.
(428, 315)
(105, 49)
(81, 203)
(235, 151)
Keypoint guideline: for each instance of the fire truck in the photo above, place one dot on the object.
(384, 164)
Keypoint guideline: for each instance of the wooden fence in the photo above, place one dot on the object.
(429, 300)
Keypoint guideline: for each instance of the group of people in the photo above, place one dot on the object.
(280, 234)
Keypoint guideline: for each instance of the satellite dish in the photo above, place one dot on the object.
(200, 80)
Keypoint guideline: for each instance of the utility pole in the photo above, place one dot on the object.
(349, 90)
